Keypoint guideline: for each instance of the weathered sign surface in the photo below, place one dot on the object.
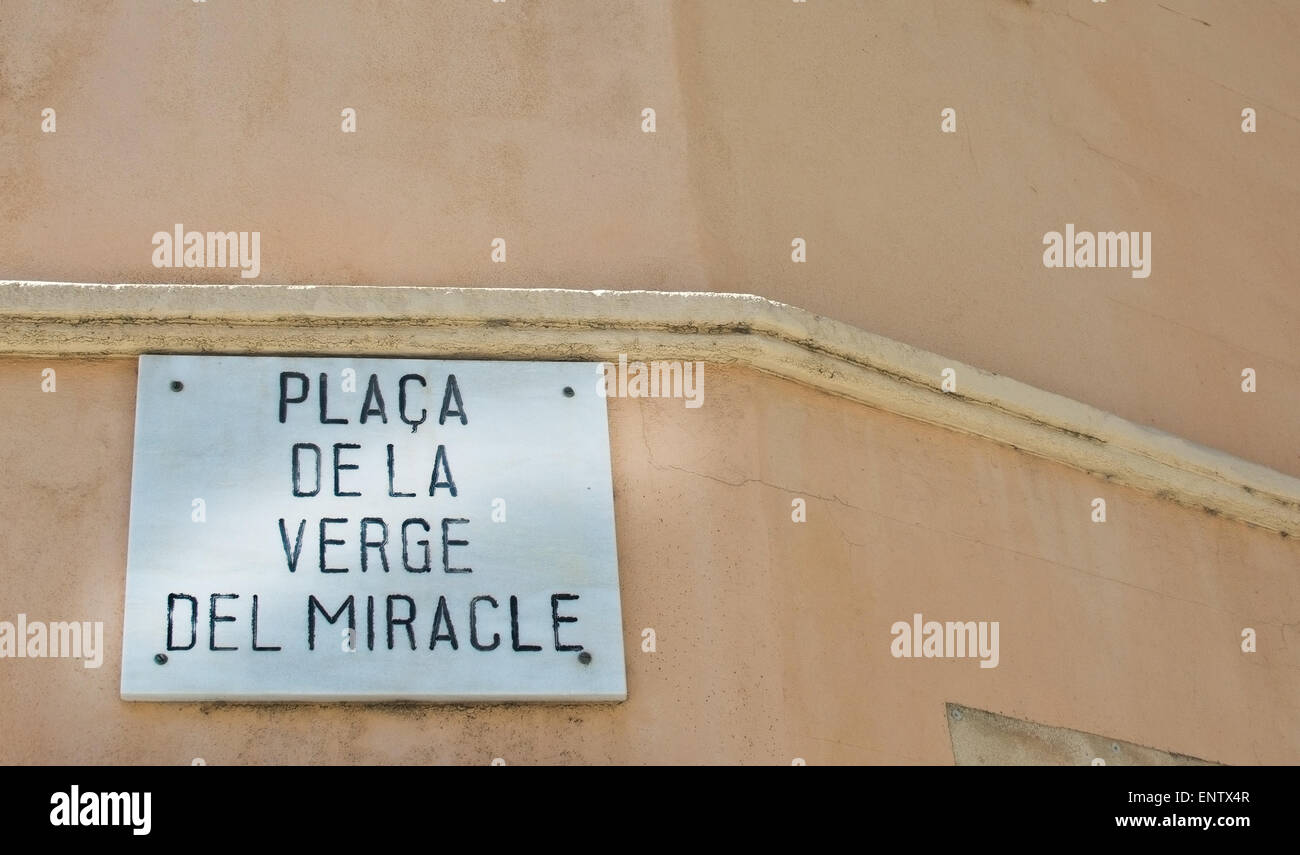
(371, 529)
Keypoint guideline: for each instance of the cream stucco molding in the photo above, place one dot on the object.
(68, 319)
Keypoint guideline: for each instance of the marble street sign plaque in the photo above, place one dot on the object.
(315, 529)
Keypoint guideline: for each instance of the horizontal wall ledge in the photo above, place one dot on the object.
(59, 319)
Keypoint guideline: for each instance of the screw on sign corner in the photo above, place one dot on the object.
(584, 657)
(160, 658)
(568, 391)
(177, 385)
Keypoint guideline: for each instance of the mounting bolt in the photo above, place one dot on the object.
(177, 385)
(568, 391)
(160, 658)
(956, 714)
(584, 657)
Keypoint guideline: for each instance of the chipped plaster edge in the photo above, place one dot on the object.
(58, 319)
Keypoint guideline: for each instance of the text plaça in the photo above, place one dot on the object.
(373, 405)
(399, 610)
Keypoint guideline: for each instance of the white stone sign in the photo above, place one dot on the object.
(307, 529)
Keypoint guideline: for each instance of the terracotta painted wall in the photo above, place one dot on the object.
(774, 120)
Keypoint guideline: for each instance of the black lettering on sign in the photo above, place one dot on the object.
(285, 400)
(406, 621)
(255, 647)
(473, 624)
(194, 620)
(442, 614)
(557, 619)
(452, 391)
(374, 403)
(297, 469)
(393, 492)
(370, 623)
(514, 629)
(313, 605)
(406, 555)
(292, 558)
(440, 462)
(325, 541)
(214, 619)
(338, 447)
(324, 402)
(447, 543)
(366, 543)
(401, 402)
